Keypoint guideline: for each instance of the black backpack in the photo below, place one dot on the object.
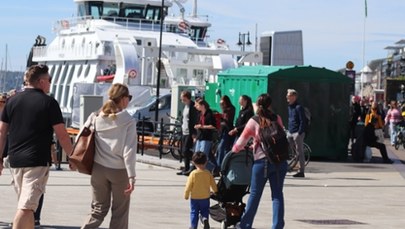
(273, 140)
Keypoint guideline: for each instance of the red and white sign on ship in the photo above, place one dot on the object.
(183, 26)
(132, 74)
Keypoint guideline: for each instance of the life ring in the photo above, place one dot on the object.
(132, 74)
(220, 41)
(183, 26)
(65, 24)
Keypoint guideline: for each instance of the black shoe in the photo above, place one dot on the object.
(186, 173)
(300, 174)
(37, 224)
(181, 172)
(388, 161)
(206, 224)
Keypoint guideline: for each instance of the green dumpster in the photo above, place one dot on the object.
(326, 93)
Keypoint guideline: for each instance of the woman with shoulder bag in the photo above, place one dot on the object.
(113, 172)
(262, 170)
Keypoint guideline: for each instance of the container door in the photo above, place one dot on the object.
(212, 95)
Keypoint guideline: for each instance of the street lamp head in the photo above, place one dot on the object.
(248, 42)
(239, 42)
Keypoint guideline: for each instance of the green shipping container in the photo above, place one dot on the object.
(326, 93)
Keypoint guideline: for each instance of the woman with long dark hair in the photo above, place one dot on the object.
(245, 113)
(205, 130)
(263, 170)
(227, 117)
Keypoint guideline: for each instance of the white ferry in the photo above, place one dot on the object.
(118, 41)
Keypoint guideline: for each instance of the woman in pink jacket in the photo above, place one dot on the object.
(262, 170)
(392, 118)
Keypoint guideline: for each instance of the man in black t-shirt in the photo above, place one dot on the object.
(29, 118)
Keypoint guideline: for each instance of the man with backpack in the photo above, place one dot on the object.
(297, 123)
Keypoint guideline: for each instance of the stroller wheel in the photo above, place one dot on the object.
(396, 145)
(223, 225)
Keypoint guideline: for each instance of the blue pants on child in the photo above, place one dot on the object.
(199, 206)
(262, 172)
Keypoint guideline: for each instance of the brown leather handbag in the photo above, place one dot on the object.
(82, 155)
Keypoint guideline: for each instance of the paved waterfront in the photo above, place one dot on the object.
(333, 195)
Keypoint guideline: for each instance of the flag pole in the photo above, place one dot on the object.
(364, 47)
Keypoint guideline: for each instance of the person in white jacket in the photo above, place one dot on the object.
(113, 174)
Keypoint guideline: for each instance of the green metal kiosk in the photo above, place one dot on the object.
(325, 92)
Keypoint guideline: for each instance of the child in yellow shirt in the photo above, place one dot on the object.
(198, 186)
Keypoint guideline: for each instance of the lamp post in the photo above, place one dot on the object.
(162, 15)
(244, 39)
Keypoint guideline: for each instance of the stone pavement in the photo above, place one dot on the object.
(333, 195)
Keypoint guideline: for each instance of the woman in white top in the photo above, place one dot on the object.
(113, 172)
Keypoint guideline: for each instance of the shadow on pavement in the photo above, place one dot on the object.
(4, 225)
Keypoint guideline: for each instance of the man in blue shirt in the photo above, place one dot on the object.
(296, 128)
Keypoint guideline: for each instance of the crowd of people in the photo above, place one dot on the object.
(114, 169)
(199, 126)
(27, 140)
(367, 123)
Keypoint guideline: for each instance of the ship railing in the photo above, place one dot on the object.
(88, 50)
(64, 24)
(120, 22)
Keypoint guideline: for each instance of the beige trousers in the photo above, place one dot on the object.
(108, 183)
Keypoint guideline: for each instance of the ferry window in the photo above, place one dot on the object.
(181, 75)
(81, 10)
(171, 28)
(197, 33)
(86, 72)
(153, 13)
(110, 10)
(96, 10)
(150, 14)
(101, 9)
(133, 12)
(198, 73)
(79, 72)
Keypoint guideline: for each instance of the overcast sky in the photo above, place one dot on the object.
(332, 30)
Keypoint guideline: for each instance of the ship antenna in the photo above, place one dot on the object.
(194, 9)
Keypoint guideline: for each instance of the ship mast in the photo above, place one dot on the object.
(194, 14)
(4, 72)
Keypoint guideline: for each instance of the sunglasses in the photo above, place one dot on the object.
(130, 97)
(2, 101)
(49, 79)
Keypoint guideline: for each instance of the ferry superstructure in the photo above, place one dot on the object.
(122, 37)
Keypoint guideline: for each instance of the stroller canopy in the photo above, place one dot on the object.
(237, 168)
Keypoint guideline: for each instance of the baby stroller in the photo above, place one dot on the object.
(400, 137)
(233, 185)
